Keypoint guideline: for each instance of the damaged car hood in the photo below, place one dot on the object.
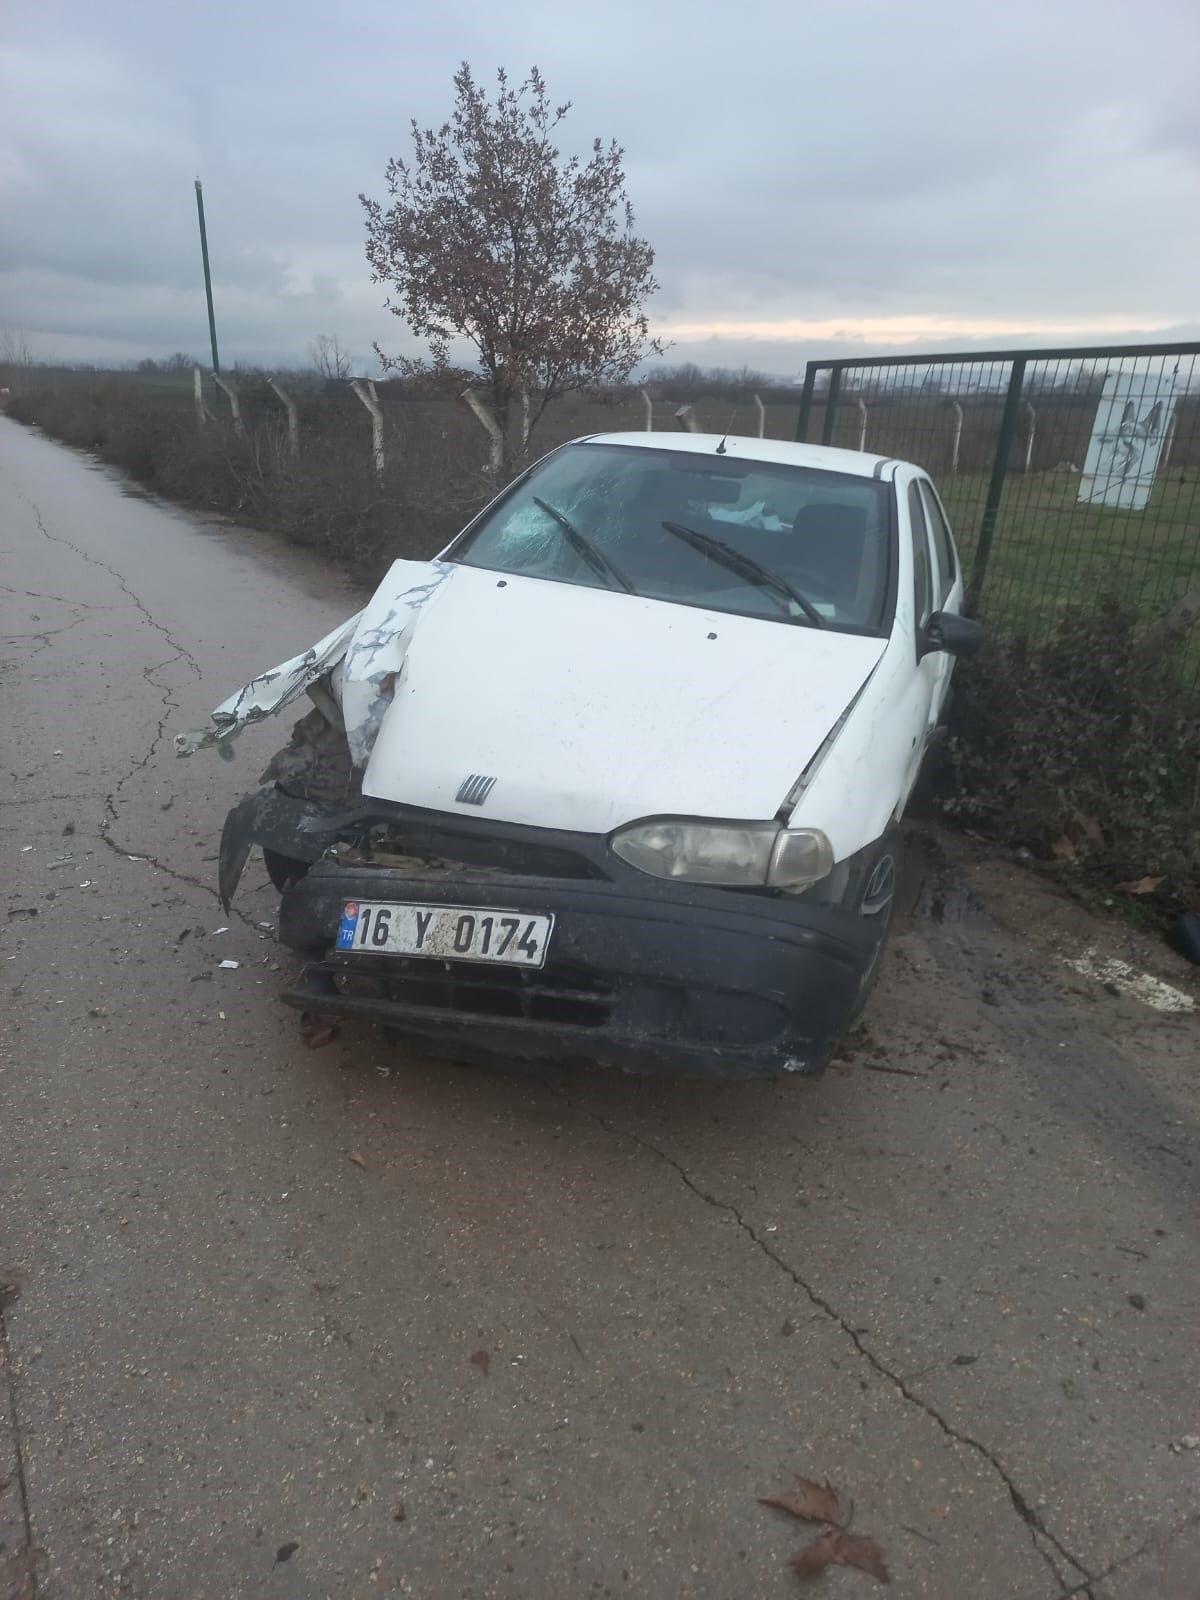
(587, 708)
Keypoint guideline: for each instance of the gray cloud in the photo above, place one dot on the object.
(791, 162)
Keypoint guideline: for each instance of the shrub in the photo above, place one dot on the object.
(1084, 747)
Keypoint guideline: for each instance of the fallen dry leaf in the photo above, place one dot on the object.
(285, 1552)
(815, 1557)
(359, 1161)
(838, 1549)
(815, 1502)
(1141, 886)
(482, 1360)
(1063, 849)
(1089, 828)
(856, 1550)
(317, 1031)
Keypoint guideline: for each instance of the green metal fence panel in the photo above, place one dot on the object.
(1068, 474)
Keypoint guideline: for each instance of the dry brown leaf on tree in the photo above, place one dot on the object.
(815, 1502)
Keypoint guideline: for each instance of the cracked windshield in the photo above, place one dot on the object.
(755, 538)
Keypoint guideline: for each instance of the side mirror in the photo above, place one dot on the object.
(957, 636)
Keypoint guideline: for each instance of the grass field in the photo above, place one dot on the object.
(1050, 553)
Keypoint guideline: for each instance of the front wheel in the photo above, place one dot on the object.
(875, 903)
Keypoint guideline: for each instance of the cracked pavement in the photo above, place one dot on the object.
(958, 1276)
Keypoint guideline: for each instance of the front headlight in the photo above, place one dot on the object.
(732, 854)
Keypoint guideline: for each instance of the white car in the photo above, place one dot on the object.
(618, 774)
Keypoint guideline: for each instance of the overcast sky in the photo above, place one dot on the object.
(811, 175)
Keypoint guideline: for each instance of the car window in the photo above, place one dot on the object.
(942, 542)
(922, 566)
(726, 534)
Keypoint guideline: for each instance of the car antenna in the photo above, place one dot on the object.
(725, 435)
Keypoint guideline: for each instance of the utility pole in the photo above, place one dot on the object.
(212, 321)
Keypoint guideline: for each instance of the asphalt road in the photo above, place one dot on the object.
(343, 1322)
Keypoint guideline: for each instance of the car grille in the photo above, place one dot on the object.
(471, 989)
(509, 853)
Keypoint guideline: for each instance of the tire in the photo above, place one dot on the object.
(282, 870)
(875, 899)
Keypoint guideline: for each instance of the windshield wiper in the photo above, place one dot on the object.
(586, 550)
(746, 567)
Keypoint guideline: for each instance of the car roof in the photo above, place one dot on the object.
(779, 452)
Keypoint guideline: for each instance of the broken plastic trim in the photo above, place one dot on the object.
(298, 829)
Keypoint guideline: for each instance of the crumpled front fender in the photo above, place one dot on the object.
(298, 829)
(363, 656)
(270, 692)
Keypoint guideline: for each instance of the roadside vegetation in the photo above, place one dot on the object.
(1076, 737)
(1083, 748)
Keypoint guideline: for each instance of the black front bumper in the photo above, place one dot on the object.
(650, 977)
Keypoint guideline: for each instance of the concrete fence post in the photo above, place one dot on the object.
(862, 424)
(198, 396)
(371, 401)
(1030, 429)
(229, 390)
(293, 415)
(648, 405)
(761, 411)
(956, 436)
(686, 418)
(492, 428)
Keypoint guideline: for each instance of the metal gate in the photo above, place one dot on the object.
(1068, 474)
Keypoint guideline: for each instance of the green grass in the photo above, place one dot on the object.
(1050, 553)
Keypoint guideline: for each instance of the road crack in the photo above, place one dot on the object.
(1028, 1514)
(30, 1551)
(180, 652)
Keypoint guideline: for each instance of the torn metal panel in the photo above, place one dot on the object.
(364, 658)
(270, 692)
(374, 662)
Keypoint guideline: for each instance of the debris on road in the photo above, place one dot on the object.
(483, 1361)
(814, 1502)
(285, 1553)
(837, 1546)
(229, 966)
(316, 1031)
(1136, 985)
(359, 1161)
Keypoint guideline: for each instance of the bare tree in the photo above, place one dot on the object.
(15, 349)
(329, 359)
(493, 237)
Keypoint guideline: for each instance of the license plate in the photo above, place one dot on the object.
(445, 933)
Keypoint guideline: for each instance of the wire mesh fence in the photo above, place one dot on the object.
(1068, 474)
